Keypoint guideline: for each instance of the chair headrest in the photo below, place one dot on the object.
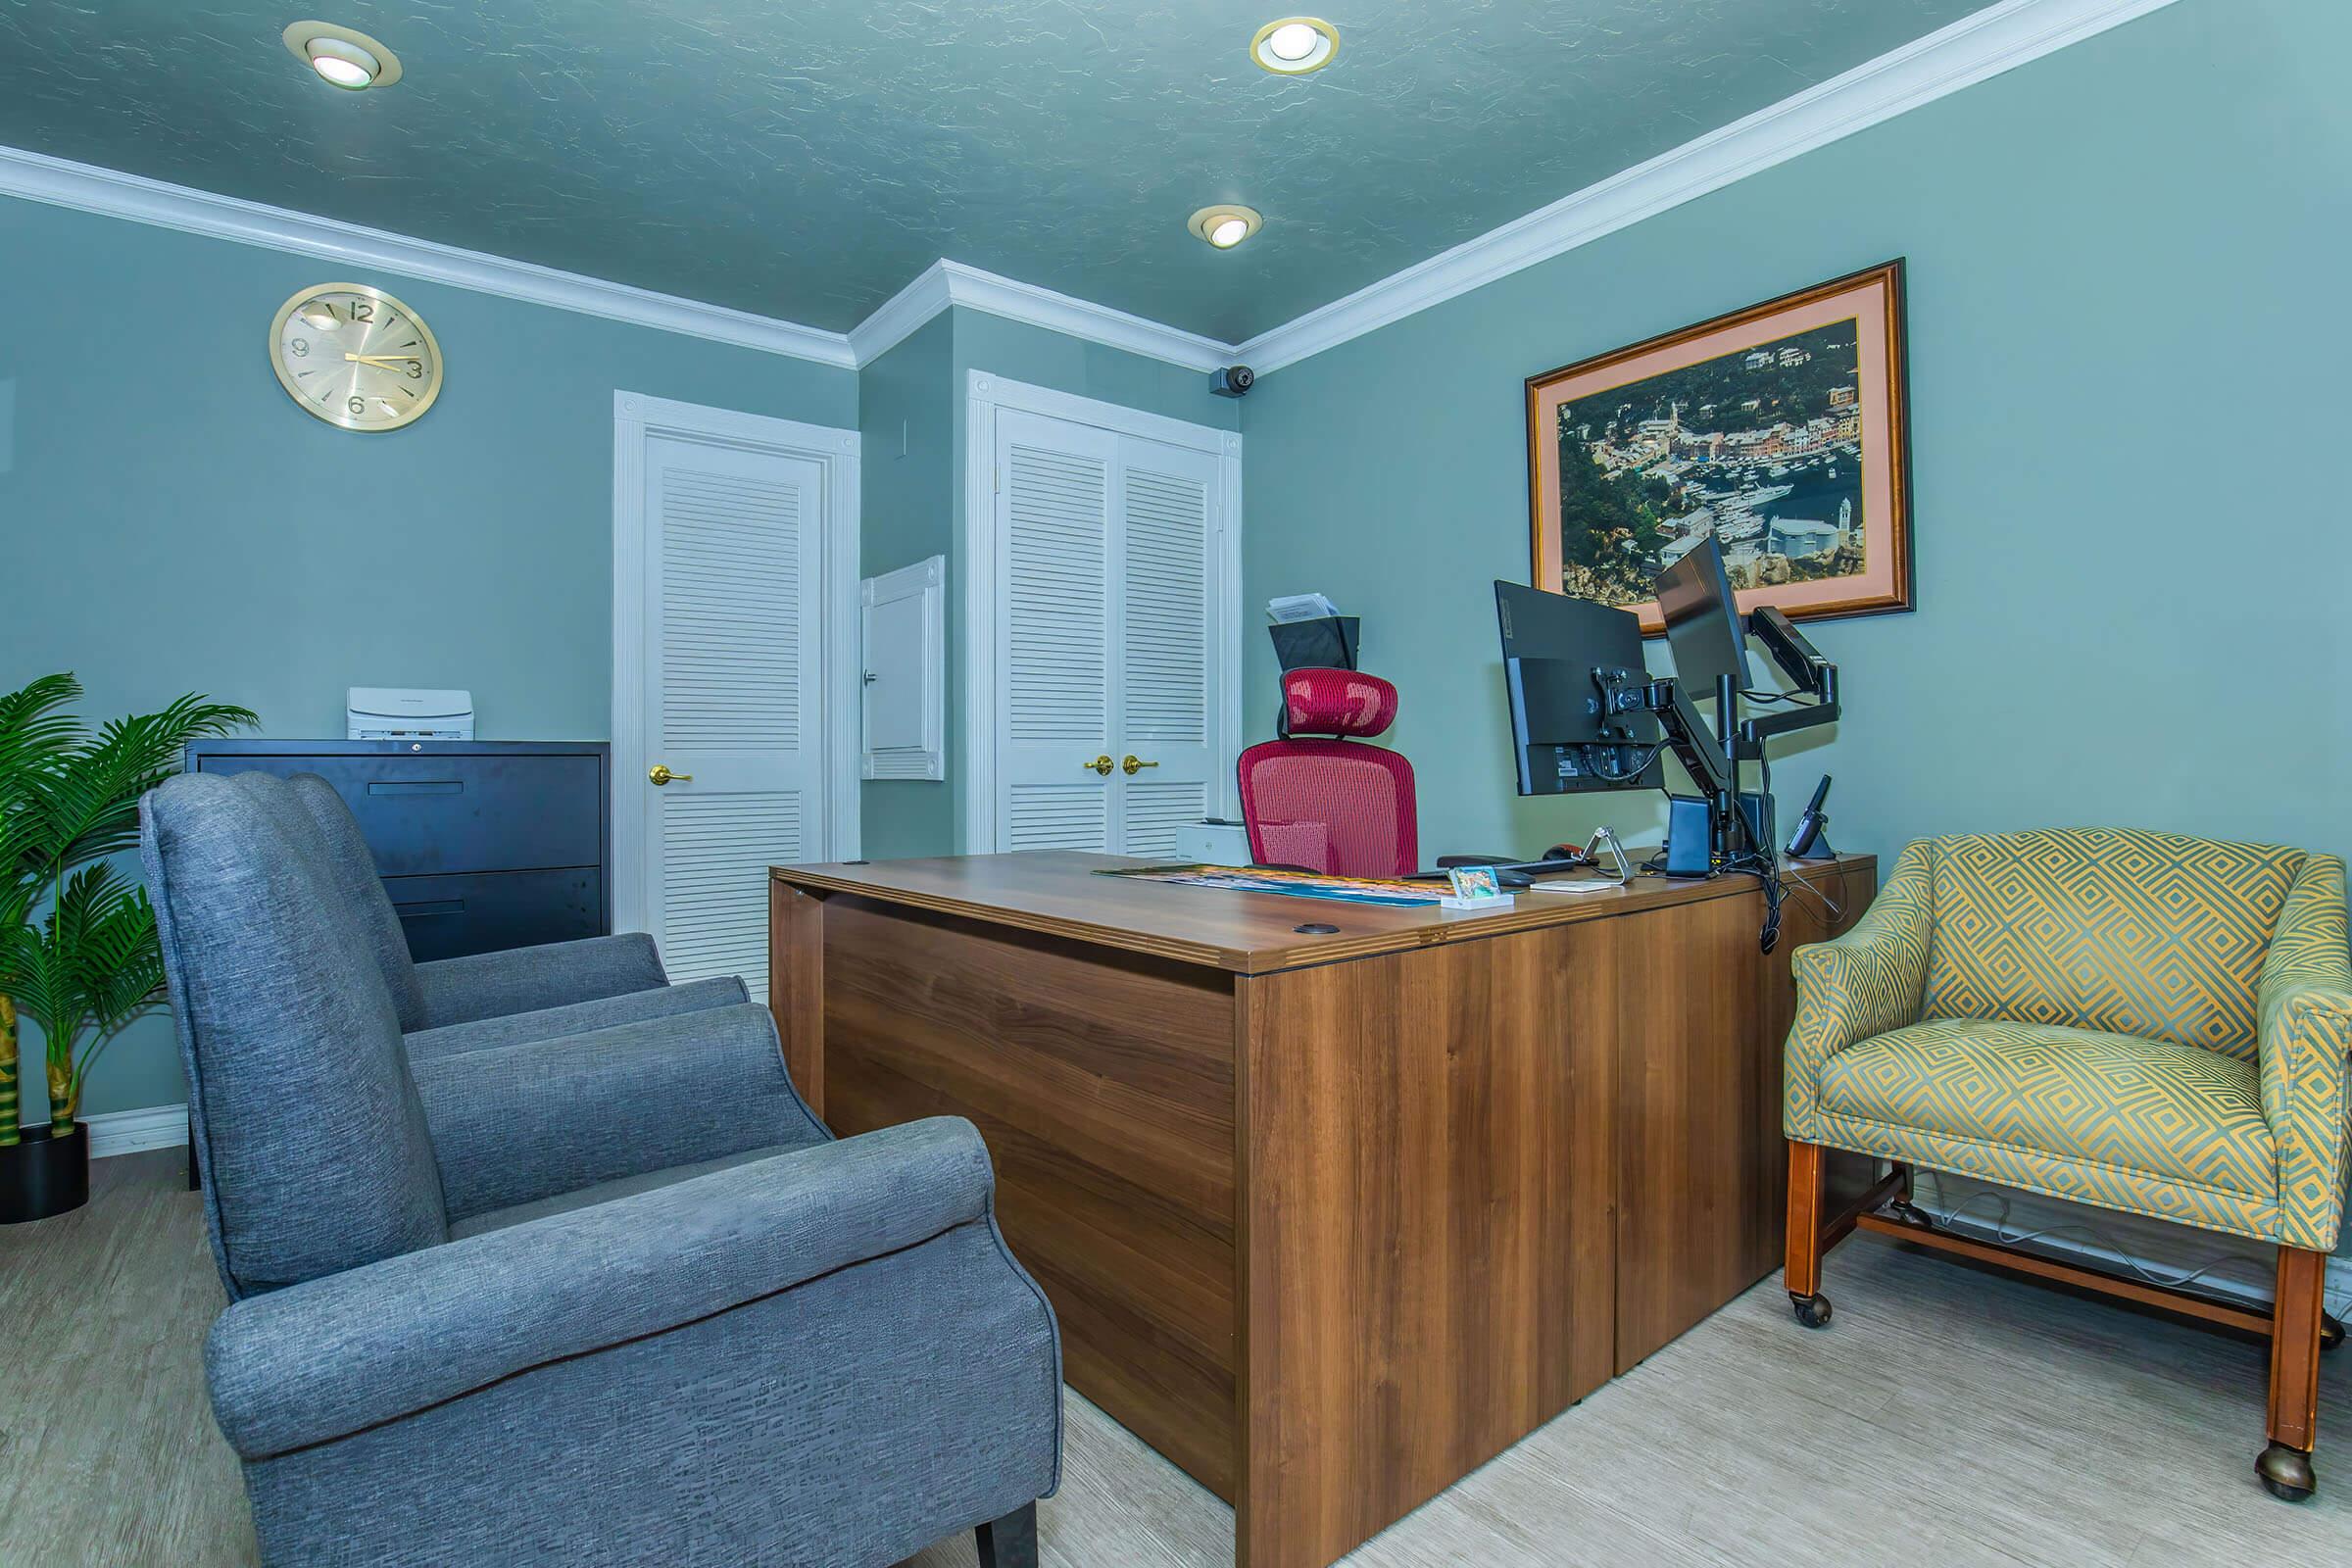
(1336, 702)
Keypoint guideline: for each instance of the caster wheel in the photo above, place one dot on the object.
(2331, 1333)
(1813, 1311)
(2287, 1472)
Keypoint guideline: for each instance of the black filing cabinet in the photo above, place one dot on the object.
(483, 845)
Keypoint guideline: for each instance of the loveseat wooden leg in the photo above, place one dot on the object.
(1010, 1541)
(2285, 1465)
(1808, 1173)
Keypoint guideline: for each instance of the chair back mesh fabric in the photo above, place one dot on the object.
(1332, 806)
(2149, 934)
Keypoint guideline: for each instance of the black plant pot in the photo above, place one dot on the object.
(45, 1175)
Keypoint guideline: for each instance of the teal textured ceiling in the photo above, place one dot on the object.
(806, 160)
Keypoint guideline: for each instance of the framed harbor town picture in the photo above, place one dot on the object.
(1777, 430)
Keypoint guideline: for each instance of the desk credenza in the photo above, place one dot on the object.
(1328, 1219)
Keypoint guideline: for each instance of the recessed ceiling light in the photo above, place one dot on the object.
(1293, 46)
(347, 57)
(1224, 225)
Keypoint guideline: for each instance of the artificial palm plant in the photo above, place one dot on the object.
(78, 946)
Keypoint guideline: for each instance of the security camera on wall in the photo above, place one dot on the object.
(1232, 381)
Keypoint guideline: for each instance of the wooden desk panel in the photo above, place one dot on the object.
(1691, 1211)
(1702, 1014)
(1103, 1084)
(1425, 1228)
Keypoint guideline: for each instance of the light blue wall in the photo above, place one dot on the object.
(172, 521)
(2127, 341)
(1019, 352)
(906, 414)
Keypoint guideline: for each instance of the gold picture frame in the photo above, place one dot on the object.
(1795, 406)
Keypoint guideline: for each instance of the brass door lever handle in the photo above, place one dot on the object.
(1134, 766)
(1100, 764)
(661, 774)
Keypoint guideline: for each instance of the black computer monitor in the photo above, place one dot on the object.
(1703, 625)
(1559, 656)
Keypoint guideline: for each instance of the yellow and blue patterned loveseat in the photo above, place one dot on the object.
(2142, 1021)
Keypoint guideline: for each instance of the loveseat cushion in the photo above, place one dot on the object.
(2154, 1107)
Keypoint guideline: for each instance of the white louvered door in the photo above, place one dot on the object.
(1169, 641)
(732, 578)
(1054, 496)
(1109, 638)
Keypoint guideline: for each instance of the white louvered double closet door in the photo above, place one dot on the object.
(1110, 638)
(732, 682)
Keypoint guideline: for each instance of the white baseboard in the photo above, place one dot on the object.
(128, 1132)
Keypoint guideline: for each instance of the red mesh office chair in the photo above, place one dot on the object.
(1334, 806)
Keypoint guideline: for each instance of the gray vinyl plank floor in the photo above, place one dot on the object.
(1948, 1416)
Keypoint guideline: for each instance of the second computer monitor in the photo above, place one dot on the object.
(1703, 624)
(1561, 659)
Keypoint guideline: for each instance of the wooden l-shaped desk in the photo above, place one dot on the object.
(1329, 1219)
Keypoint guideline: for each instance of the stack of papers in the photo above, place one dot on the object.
(1299, 606)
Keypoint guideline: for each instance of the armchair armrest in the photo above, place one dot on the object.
(323, 1360)
(2304, 1042)
(490, 985)
(512, 1124)
(578, 1018)
(1867, 982)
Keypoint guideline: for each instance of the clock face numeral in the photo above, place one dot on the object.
(356, 357)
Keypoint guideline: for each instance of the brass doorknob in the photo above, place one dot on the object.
(661, 774)
(1100, 764)
(1135, 764)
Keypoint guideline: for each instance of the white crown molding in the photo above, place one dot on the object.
(944, 282)
(901, 315)
(1017, 301)
(113, 194)
(128, 1132)
(1998, 38)
(1984, 44)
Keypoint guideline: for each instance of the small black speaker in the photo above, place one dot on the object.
(1688, 850)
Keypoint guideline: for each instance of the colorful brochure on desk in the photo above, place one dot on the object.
(1293, 884)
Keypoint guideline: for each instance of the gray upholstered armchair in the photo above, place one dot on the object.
(561, 988)
(607, 1297)
(607, 980)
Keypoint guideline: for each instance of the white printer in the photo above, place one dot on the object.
(409, 713)
(1214, 843)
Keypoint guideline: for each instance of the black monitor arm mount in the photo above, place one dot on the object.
(1712, 754)
(1809, 676)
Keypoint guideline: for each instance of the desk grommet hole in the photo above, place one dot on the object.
(1316, 928)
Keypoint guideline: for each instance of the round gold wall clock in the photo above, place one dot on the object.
(355, 356)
